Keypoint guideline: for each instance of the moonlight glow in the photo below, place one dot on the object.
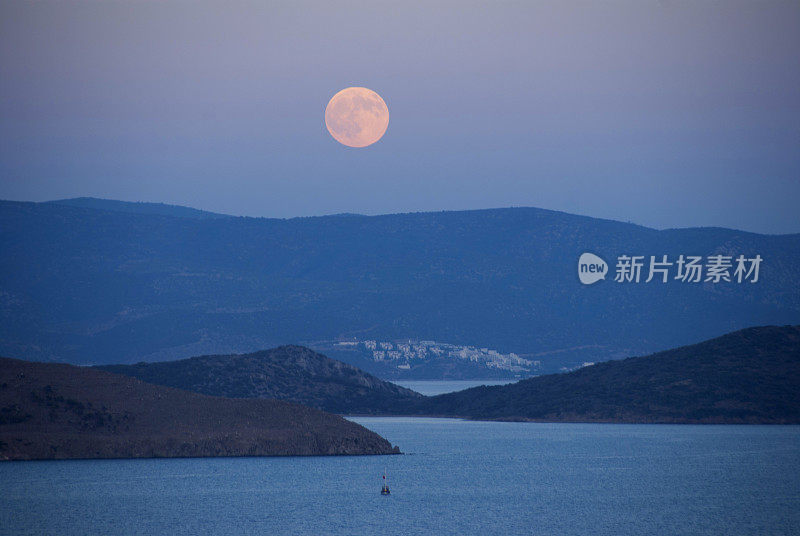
(357, 117)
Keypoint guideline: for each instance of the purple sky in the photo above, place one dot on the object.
(667, 114)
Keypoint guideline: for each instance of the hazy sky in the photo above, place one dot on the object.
(667, 114)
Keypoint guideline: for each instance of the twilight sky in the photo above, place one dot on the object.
(667, 114)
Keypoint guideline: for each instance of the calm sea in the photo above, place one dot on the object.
(457, 477)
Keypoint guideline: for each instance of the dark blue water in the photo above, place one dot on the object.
(458, 478)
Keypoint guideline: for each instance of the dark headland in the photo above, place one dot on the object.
(751, 376)
(56, 411)
(291, 373)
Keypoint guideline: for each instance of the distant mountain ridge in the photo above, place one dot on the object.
(96, 286)
(749, 376)
(138, 207)
(57, 411)
(290, 373)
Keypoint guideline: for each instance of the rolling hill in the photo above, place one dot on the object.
(749, 376)
(57, 411)
(290, 373)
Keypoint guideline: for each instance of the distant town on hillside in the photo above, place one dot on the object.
(403, 353)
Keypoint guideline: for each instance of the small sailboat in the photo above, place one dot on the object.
(385, 488)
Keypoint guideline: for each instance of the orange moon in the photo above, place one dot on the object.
(357, 117)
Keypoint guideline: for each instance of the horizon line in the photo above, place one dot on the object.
(64, 201)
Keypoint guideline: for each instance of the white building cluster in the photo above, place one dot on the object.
(403, 353)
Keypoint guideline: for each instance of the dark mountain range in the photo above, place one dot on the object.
(95, 286)
(750, 376)
(159, 209)
(61, 411)
(291, 373)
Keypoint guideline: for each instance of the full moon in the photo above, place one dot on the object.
(357, 117)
